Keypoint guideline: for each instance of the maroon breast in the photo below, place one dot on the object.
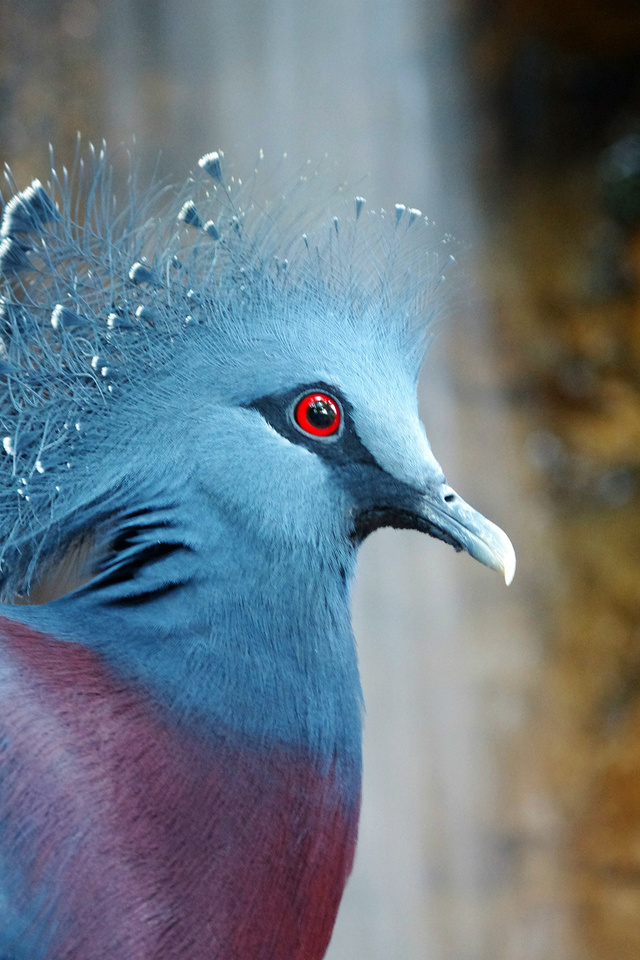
(135, 840)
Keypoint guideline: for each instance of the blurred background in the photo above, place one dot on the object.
(501, 816)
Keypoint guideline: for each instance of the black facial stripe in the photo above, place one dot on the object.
(379, 499)
(374, 518)
(384, 501)
(340, 449)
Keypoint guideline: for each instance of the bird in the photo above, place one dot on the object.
(208, 400)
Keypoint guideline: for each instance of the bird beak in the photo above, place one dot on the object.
(448, 517)
(441, 513)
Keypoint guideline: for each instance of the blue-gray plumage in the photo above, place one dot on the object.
(210, 418)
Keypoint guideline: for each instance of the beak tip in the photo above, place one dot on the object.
(509, 572)
(508, 561)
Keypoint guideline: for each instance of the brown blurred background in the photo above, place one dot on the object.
(501, 818)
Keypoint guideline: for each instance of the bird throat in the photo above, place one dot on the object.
(263, 647)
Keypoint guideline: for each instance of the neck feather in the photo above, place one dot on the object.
(224, 633)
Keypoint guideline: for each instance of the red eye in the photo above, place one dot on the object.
(318, 414)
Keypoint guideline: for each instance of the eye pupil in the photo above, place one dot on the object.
(321, 414)
(318, 414)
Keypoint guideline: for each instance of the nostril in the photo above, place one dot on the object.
(449, 497)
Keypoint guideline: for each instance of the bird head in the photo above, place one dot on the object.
(247, 366)
(323, 431)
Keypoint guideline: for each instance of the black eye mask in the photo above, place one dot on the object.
(340, 448)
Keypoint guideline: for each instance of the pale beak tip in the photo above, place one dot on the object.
(508, 562)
